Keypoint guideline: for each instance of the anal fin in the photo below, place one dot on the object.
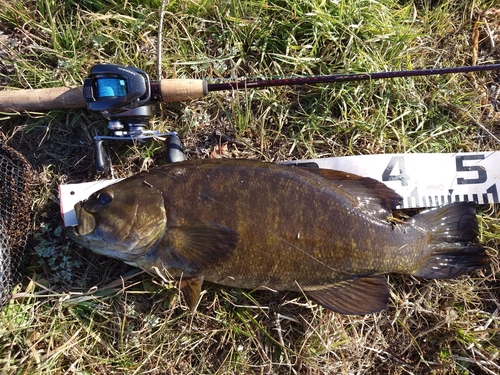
(191, 289)
(356, 296)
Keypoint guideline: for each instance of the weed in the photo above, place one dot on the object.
(55, 254)
(81, 313)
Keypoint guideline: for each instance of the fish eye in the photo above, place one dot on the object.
(105, 197)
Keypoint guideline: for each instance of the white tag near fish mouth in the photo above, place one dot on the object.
(71, 194)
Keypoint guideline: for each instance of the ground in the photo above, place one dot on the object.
(77, 312)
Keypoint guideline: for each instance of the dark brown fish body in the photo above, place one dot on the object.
(251, 224)
(289, 231)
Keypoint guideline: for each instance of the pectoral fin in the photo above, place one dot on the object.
(191, 289)
(202, 245)
(357, 296)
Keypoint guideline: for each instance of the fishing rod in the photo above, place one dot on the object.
(123, 95)
(350, 77)
(173, 90)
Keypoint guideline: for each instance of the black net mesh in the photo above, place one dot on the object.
(16, 184)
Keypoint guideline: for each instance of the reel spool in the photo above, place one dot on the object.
(16, 185)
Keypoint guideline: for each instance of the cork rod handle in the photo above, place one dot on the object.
(179, 90)
(38, 100)
(19, 101)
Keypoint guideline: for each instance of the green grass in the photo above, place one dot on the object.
(79, 313)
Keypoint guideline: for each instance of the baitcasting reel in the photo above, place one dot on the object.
(123, 96)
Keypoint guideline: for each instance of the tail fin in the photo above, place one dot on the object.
(452, 229)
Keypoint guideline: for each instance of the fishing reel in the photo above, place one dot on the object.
(123, 96)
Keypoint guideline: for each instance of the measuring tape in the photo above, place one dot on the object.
(422, 180)
(426, 180)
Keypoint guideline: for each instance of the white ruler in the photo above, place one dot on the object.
(426, 180)
(423, 180)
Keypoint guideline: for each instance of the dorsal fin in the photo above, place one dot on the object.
(373, 196)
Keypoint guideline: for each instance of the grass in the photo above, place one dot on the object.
(79, 313)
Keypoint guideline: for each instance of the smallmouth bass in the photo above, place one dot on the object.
(251, 224)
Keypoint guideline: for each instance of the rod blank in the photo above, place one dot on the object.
(313, 80)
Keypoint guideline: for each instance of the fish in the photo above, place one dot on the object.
(252, 224)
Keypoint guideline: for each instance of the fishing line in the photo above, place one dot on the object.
(160, 37)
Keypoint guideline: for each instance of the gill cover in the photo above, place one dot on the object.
(122, 220)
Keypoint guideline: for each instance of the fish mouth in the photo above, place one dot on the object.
(99, 246)
(83, 235)
(72, 234)
(90, 235)
(86, 221)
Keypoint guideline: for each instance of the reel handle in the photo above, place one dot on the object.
(174, 149)
(101, 158)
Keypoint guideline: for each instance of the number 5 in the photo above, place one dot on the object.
(481, 172)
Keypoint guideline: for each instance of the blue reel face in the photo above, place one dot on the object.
(111, 87)
(116, 89)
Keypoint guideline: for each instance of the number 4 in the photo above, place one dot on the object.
(402, 176)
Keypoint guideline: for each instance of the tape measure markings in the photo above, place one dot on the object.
(426, 180)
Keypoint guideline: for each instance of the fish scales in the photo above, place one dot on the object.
(295, 218)
(252, 224)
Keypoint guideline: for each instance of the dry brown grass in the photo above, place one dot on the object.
(80, 313)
